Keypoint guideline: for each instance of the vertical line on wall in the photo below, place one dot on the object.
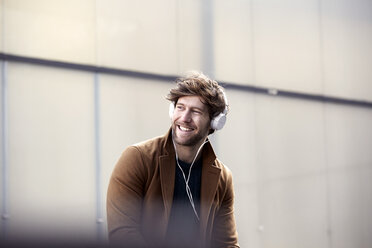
(4, 146)
(2, 34)
(207, 38)
(253, 43)
(178, 38)
(97, 140)
(208, 64)
(327, 179)
(326, 161)
(260, 182)
(321, 46)
(97, 152)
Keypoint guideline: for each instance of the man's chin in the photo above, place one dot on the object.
(183, 142)
(186, 140)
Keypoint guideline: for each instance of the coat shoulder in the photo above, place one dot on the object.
(151, 147)
(226, 174)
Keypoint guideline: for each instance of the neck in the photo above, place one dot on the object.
(187, 153)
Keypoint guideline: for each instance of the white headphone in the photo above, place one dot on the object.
(218, 122)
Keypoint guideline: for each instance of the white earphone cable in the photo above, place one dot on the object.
(188, 191)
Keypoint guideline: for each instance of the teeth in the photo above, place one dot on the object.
(185, 128)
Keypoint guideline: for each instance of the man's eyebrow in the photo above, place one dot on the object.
(197, 108)
(180, 104)
(193, 107)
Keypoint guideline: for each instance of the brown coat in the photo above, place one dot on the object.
(140, 194)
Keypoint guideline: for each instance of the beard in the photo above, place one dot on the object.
(193, 140)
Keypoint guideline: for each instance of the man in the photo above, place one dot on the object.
(172, 191)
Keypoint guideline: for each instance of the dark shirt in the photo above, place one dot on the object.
(183, 226)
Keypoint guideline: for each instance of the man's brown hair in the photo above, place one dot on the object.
(198, 84)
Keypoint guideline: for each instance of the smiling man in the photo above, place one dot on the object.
(172, 191)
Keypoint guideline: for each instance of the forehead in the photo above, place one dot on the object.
(192, 101)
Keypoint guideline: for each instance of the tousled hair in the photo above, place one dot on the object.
(198, 84)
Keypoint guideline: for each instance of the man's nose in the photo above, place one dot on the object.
(186, 116)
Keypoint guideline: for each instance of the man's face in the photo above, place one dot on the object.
(190, 121)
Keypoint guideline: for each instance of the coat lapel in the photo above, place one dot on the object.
(167, 166)
(167, 175)
(209, 183)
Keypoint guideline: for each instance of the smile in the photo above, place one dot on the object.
(185, 129)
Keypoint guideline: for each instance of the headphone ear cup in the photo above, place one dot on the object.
(171, 110)
(218, 122)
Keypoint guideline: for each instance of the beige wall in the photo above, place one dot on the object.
(301, 168)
